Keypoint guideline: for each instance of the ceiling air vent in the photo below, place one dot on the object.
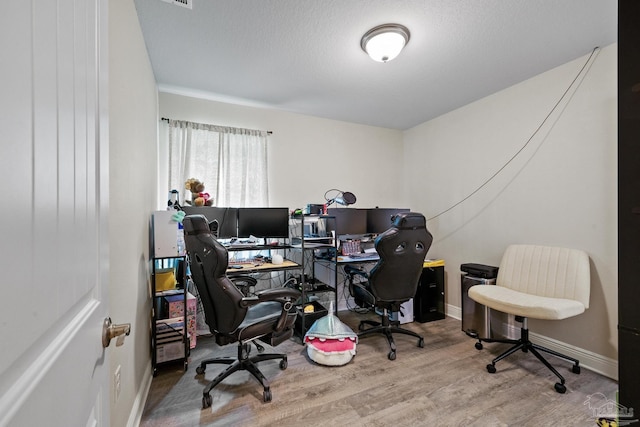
(184, 3)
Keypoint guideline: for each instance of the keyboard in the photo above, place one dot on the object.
(241, 262)
(365, 255)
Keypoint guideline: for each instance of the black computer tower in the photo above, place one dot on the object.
(428, 304)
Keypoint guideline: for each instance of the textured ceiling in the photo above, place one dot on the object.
(304, 56)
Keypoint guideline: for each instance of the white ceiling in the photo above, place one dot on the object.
(304, 56)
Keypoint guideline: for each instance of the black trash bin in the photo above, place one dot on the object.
(479, 321)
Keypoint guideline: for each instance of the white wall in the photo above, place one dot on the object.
(308, 155)
(561, 190)
(133, 181)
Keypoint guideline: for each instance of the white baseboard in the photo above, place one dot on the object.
(455, 312)
(588, 359)
(141, 398)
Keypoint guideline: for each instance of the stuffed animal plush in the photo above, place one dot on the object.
(198, 196)
(330, 342)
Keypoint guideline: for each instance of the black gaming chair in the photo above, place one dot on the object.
(394, 279)
(267, 315)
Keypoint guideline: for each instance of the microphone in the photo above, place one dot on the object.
(346, 198)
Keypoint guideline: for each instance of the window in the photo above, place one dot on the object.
(231, 162)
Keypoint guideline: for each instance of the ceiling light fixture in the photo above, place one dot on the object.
(384, 42)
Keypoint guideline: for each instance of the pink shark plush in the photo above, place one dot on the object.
(330, 342)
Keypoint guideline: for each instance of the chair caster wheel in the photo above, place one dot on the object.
(206, 401)
(478, 345)
(267, 395)
(421, 343)
(259, 347)
(200, 370)
(491, 368)
(392, 355)
(575, 369)
(284, 364)
(560, 388)
(361, 327)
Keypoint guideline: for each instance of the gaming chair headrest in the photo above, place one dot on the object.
(196, 224)
(409, 220)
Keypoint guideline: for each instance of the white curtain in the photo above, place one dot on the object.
(231, 162)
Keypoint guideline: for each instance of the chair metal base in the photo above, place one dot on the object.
(526, 345)
(387, 328)
(242, 363)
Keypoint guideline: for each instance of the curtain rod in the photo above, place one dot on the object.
(164, 119)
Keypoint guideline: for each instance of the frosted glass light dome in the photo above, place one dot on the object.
(385, 42)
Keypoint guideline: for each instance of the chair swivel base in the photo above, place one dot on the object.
(526, 345)
(387, 329)
(242, 363)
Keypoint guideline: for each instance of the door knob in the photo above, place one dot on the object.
(110, 331)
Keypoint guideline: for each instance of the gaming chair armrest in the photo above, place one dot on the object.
(352, 271)
(362, 294)
(278, 294)
(285, 296)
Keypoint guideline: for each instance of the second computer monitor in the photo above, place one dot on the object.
(227, 218)
(349, 220)
(379, 219)
(263, 222)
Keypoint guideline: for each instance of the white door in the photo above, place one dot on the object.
(53, 230)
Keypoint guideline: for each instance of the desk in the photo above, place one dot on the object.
(329, 271)
(345, 259)
(259, 267)
(429, 301)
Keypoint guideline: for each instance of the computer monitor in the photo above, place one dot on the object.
(263, 222)
(349, 220)
(379, 219)
(227, 218)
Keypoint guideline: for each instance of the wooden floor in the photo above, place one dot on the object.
(443, 384)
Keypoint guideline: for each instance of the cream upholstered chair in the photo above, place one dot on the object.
(538, 282)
